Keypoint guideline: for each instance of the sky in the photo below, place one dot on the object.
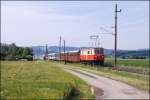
(34, 23)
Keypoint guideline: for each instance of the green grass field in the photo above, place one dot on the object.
(144, 63)
(140, 66)
(40, 80)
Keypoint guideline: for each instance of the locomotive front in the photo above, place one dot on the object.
(92, 55)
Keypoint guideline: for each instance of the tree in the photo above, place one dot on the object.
(12, 49)
(3, 50)
(27, 51)
(12, 52)
(19, 52)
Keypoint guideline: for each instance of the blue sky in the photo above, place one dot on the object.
(31, 23)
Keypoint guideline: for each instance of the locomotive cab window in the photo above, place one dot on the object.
(99, 51)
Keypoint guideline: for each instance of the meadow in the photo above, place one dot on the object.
(139, 66)
(40, 80)
(141, 63)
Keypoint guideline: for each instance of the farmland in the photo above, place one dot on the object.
(142, 63)
(40, 80)
(140, 66)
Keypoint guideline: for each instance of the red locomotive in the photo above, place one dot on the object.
(87, 55)
(92, 55)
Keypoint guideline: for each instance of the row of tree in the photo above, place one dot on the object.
(13, 52)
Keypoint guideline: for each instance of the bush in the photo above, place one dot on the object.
(19, 57)
(29, 57)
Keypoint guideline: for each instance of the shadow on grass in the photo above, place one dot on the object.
(72, 94)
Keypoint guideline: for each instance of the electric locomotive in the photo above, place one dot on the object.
(92, 55)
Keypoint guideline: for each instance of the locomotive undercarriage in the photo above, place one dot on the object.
(92, 62)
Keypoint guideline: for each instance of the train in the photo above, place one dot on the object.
(85, 55)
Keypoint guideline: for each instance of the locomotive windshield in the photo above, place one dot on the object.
(98, 51)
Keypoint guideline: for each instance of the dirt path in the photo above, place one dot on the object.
(105, 88)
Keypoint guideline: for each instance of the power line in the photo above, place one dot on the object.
(108, 32)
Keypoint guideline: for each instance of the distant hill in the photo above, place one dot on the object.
(38, 51)
(133, 53)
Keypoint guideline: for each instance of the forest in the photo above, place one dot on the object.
(13, 52)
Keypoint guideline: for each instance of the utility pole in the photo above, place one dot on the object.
(60, 48)
(64, 53)
(115, 34)
(115, 53)
(46, 53)
(47, 50)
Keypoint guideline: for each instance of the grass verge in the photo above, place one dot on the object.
(136, 80)
(40, 80)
